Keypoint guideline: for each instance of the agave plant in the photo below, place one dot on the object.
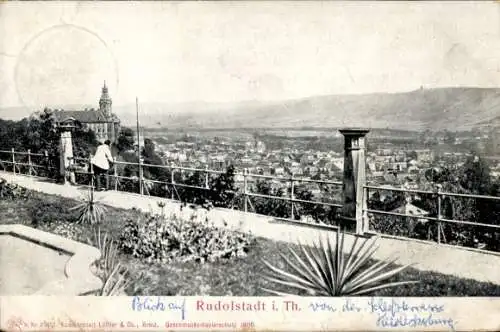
(116, 282)
(90, 210)
(114, 275)
(109, 252)
(325, 270)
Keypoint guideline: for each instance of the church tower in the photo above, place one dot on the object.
(105, 102)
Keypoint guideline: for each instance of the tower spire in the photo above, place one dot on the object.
(105, 101)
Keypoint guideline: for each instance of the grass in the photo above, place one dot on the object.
(238, 277)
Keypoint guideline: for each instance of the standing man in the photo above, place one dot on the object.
(101, 163)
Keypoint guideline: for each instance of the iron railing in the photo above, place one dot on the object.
(439, 218)
(23, 163)
(144, 185)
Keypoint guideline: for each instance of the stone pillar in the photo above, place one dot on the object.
(354, 200)
(66, 156)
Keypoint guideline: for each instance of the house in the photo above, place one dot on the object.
(412, 211)
(102, 121)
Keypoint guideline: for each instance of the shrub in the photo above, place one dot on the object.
(13, 191)
(207, 191)
(160, 240)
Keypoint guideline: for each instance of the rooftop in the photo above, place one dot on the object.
(84, 116)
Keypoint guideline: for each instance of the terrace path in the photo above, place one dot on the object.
(460, 262)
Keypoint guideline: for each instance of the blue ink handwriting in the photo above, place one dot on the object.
(322, 306)
(157, 304)
(391, 313)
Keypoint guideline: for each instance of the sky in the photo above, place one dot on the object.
(60, 53)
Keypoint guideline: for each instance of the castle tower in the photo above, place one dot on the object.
(105, 101)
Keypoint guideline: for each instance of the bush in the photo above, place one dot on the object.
(220, 191)
(48, 212)
(160, 240)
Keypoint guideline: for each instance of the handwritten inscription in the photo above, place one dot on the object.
(322, 306)
(391, 313)
(399, 313)
(158, 303)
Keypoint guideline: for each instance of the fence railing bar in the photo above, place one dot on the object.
(231, 191)
(336, 183)
(433, 218)
(287, 179)
(250, 175)
(433, 192)
(471, 196)
(471, 223)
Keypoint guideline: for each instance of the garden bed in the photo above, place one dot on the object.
(238, 276)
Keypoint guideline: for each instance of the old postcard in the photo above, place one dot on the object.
(249, 166)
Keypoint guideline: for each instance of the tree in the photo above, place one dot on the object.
(476, 176)
(270, 207)
(318, 212)
(222, 189)
(149, 152)
(39, 133)
(125, 141)
(412, 155)
(476, 179)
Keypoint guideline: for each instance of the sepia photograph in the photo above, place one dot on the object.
(250, 149)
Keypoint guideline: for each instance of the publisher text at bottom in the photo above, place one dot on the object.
(209, 325)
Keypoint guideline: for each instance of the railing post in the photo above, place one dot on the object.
(46, 156)
(245, 189)
(172, 180)
(206, 176)
(438, 228)
(439, 213)
(13, 161)
(115, 174)
(29, 163)
(366, 221)
(292, 196)
(354, 180)
(91, 169)
(141, 177)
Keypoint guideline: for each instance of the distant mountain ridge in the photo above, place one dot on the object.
(435, 109)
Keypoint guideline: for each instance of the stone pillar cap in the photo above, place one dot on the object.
(354, 131)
